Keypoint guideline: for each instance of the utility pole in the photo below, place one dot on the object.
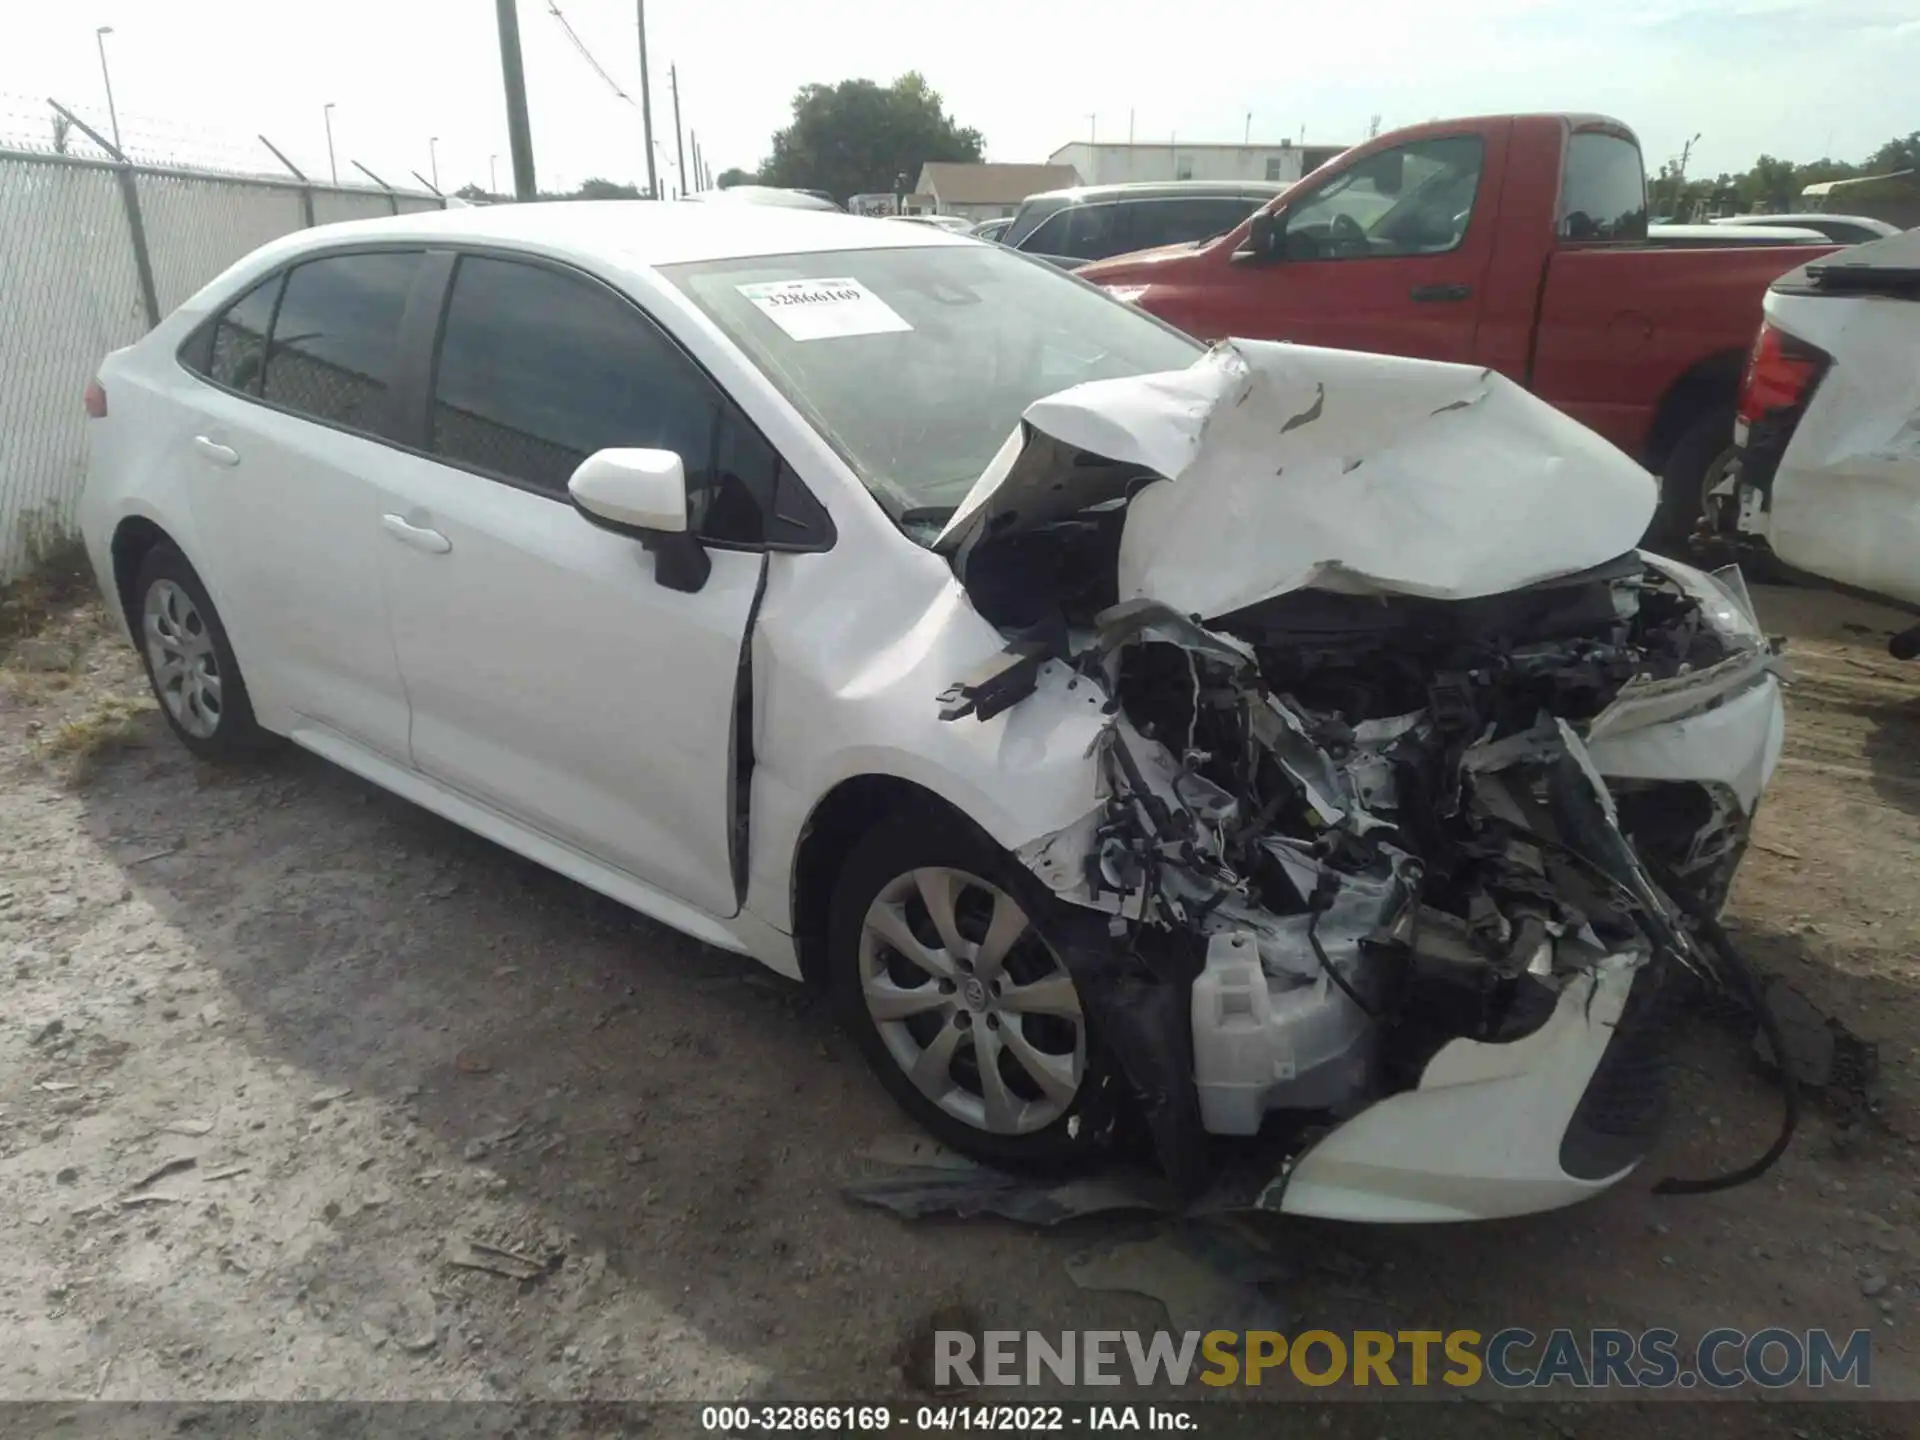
(1246, 136)
(100, 38)
(519, 133)
(1680, 178)
(697, 185)
(493, 174)
(679, 150)
(646, 102)
(326, 113)
(433, 153)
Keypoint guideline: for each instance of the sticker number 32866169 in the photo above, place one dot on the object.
(823, 309)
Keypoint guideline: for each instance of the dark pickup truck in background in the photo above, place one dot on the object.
(1517, 242)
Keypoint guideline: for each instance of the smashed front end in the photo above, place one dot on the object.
(1411, 764)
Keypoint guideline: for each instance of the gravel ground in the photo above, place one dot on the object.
(278, 1051)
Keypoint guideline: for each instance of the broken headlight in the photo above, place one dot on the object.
(1725, 606)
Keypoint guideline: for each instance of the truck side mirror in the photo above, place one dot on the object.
(1266, 239)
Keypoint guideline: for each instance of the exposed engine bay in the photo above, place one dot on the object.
(1356, 827)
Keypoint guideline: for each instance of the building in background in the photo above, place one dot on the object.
(984, 191)
(1124, 162)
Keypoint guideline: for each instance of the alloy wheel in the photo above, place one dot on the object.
(180, 653)
(971, 1002)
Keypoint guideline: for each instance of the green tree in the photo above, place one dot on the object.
(857, 137)
(598, 189)
(735, 176)
(1769, 185)
(1897, 154)
(471, 192)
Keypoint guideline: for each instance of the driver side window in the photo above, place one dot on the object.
(1415, 199)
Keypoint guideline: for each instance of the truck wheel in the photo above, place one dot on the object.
(1697, 462)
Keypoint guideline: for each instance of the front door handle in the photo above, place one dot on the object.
(213, 451)
(1442, 292)
(418, 536)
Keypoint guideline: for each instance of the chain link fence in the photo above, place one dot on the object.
(92, 253)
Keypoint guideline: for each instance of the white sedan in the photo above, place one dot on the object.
(1142, 742)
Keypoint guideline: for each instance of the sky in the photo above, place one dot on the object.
(201, 78)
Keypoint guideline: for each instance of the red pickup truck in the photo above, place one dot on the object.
(1517, 242)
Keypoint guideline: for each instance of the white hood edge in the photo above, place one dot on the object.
(1284, 467)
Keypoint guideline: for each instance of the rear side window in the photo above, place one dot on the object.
(335, 335)
(240, 338)
(539, 369)
(1169, 222)
(1604, 193)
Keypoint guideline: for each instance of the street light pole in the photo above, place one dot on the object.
(433, 158)
(100, 39)
(326, 113)
(493, 174)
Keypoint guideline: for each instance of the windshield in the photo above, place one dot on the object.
(917, 363)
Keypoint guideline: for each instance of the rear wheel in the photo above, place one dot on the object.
(189, 661)
(960, 1004)
(1694, 469)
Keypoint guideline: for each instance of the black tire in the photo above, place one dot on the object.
(234, 735)
(888, 853)
(1701, 449)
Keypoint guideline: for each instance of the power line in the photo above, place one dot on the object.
(586, 54)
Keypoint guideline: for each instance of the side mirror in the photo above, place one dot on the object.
(643, 493)
(1266, 240)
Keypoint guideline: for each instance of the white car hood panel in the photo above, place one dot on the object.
(1287, 466)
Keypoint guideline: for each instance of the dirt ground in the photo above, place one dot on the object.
(352, 1042)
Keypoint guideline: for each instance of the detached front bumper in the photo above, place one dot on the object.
(1494, 1130)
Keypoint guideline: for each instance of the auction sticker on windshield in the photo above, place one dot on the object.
(823, 309)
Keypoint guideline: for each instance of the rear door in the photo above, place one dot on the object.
(1387, 254)
(552, 676)
(285, 465)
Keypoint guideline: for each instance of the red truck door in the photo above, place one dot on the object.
(1388, 253)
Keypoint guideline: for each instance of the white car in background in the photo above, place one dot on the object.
(1841, 229)
(1828, 426)
(1138, 740)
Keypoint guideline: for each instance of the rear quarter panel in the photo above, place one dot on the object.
(1846, 497)
(1620, 326)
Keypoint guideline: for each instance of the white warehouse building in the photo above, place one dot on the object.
(1100, 163)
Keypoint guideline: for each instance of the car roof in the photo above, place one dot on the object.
(1164, 189)
(634, 232)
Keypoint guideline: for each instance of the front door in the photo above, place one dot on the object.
(1387, 256)
(551, 675)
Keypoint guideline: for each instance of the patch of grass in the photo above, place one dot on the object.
(81, 744)
(56, 574)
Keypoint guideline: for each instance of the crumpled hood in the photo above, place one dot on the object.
(1270, 467)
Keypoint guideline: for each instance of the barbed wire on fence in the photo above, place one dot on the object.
(31, 123)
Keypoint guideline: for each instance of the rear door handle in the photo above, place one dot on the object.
(1442, 292)
(214, 452)
(418, 536)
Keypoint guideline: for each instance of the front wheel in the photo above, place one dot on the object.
(963, 1008)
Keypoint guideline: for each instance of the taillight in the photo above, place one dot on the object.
(1780, 372)
(96, 400)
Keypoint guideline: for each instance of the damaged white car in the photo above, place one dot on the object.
(1145, 744)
